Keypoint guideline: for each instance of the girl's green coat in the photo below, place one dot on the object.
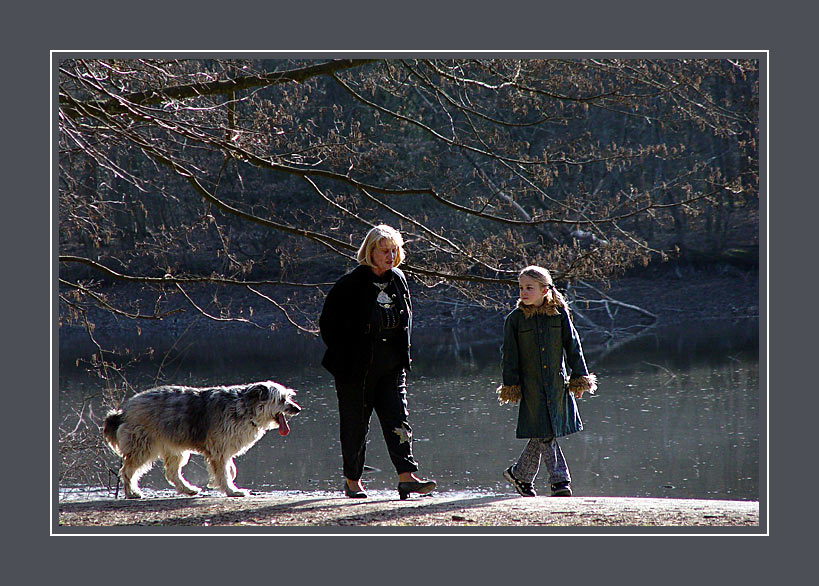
(536, 351)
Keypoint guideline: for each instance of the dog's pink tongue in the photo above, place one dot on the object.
(284, 429)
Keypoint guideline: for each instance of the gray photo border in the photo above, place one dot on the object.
(595, 26)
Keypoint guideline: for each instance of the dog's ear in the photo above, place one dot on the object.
(259, 391)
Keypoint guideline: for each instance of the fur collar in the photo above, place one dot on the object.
(547, 308)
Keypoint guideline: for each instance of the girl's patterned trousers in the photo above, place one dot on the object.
(528, 463)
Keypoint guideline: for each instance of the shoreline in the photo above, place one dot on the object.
(670, 294)
(461, 511)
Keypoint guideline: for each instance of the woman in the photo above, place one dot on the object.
(366, 324)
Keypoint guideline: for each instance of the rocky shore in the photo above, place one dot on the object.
(663, 295)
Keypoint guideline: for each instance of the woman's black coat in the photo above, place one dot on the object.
(345, 323)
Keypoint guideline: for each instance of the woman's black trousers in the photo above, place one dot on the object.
(384, 390)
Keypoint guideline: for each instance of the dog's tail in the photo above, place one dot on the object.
(109, 429)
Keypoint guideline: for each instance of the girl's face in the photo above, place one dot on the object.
(531, 292)
(383, 256)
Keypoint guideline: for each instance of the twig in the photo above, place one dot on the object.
(284, 311)
(209, 316)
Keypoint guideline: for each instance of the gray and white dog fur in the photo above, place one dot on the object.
(171, 422)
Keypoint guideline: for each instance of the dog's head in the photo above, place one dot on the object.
(273, 404)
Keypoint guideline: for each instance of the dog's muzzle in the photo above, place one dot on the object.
(281, 418)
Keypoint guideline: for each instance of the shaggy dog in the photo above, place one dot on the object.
(170, 422)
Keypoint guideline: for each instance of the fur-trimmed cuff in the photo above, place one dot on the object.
(508, 394)
(580, 384)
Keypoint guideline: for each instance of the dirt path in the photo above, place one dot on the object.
(503, 513)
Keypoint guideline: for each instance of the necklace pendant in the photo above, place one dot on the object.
(383, 298)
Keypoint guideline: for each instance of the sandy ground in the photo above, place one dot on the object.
(475, 512)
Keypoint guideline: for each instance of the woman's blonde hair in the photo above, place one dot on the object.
(376, 235)
(544, 277)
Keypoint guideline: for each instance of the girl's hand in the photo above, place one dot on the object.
(581, 384)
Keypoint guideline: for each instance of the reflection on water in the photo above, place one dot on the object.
(677, 415)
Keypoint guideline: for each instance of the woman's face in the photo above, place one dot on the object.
(531, 291)
(384, 254)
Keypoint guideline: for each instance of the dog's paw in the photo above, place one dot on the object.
(189, 490)
(237, 492)
(133, 495)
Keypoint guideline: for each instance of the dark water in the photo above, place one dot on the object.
(678, 414)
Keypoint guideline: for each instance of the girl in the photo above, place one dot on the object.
(535, 336)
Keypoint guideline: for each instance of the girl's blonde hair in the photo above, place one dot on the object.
(376, 235)
(542, 276)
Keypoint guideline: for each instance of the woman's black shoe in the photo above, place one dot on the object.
(354, 494)
(419, 486)
(562, 489)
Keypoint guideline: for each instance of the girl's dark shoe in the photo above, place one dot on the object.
(354, 494)
(562, 488)
(419, 486)
(523, 488)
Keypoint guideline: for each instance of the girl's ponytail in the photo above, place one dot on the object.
(543, 277)
(558, 298)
